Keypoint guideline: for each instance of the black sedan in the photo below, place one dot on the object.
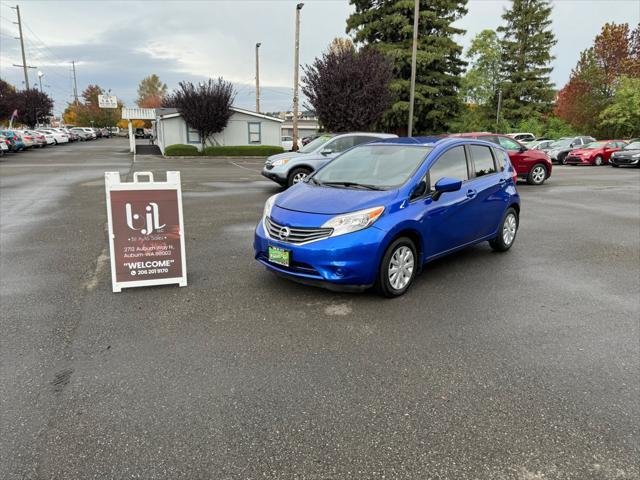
(629, 155)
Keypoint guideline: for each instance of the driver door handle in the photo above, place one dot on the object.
(471, 193)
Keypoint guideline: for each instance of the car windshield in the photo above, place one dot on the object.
(315, 144)
(633, 146)
(594, 145)
(372, 166)
(563, 142)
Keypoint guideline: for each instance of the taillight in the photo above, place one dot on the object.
(515, 177)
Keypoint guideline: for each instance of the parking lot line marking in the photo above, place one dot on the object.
(245, 168)
(100, 264)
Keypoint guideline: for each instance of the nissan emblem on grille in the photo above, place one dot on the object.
(284, 233)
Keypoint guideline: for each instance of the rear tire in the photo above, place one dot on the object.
(297, 175)
(398, 268)
(507, 231)
(537, 175)
(598, 161)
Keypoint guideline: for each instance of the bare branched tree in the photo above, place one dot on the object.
(206, 108)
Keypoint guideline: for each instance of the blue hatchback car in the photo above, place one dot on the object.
(377, 213)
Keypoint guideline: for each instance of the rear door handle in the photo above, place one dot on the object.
(471, 193)
(502, 181)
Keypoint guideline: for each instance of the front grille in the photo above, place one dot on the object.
(622, 160)
(296, 234)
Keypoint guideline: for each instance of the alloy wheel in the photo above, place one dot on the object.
(538, 174)
(299, 177)
(598, 160)
(401, 267)
(509, 229)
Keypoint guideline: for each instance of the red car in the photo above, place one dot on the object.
(595, 153)
(534, 166)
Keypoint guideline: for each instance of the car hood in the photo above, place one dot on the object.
(332, 201)
(290, 155)
(625, 153)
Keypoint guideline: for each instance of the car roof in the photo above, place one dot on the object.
(430, 141)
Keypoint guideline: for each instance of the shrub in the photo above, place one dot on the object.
(181, 150)
(242, 151)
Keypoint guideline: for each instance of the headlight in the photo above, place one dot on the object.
(282, 161)
(268, 205)
(352, 222)
(637, 155)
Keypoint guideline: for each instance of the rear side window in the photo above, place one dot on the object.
(501, 159)
(452, 164)
(482, 160)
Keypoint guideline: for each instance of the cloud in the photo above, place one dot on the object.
(116, 44)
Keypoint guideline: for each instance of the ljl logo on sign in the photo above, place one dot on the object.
(151, 222)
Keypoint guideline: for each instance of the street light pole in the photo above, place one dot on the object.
(412, 92)
(40, 75)
(296, 67)
(257, 78)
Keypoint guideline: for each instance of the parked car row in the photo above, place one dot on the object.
(16, 140)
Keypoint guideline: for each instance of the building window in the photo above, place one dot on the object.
(192, 135)
(255, 133)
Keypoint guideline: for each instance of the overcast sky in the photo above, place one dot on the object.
(116, 44)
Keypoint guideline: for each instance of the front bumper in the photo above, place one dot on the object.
(346, 262)
(275, 175)
(571, 160)
(624, 161)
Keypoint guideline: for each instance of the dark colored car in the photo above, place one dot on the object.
(596, 153)
(558, 151)
(534, 166)
(628, 156)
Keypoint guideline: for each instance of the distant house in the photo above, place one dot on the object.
(244, 128)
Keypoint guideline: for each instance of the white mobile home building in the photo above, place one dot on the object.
(244, 128)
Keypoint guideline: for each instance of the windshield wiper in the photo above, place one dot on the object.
(313, 180)
(353, 184)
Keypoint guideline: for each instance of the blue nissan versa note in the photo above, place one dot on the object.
(377, 213)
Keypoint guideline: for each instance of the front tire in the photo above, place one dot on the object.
(507, 232)
(562, 159)
(297, 175)
(598, 161)
(398, 268)
(537, 175)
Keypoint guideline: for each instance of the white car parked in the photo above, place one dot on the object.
(48, 136)
(287, 143)
(58, 135)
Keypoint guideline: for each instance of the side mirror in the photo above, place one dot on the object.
(446, 184)
(326, 151)
(522, 149)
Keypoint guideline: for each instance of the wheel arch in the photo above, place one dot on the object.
(412, 234)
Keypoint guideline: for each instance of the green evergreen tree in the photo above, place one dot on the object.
(526, 42)
(388, 25)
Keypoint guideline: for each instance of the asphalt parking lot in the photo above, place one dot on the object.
(494, 366)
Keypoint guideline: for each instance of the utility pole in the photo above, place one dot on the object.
(75, 83)
(296, 66)
(24, 58)
(257, 79)
(412, 93)
(498, 111)
(40, 75)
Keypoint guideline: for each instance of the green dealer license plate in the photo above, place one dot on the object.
(279, 256)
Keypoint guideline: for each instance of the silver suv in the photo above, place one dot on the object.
(293, 167)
